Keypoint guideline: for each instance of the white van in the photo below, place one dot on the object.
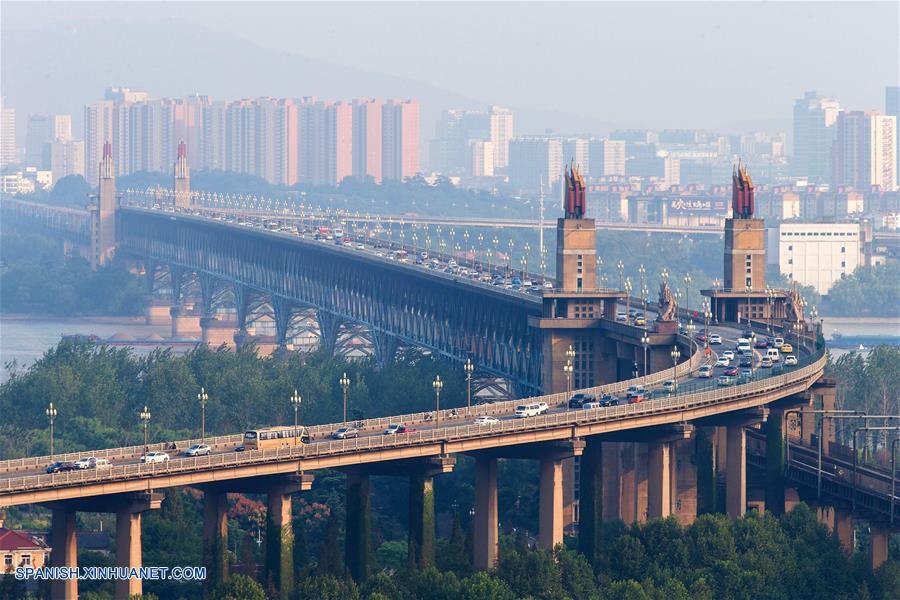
(705, 372)
(773, 355)
(531, 410)
(743, 345)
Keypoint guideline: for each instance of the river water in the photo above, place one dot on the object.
(24, 339)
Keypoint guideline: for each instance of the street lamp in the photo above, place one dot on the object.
(716, 285)
(706, 317)
(510, 245)
(599, 268)
(438, 385)
(628, 298)
(466, 244)
(295, 402)
(202, 397)
(51, 413)
(345, 385)
(496, 243)
(645, 342)
(687, 291)
(621, 267)
(641, 272)
(570, 367)
(145, 419)
(675, 354)
(469, 368)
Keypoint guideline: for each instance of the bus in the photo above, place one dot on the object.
(274, 437)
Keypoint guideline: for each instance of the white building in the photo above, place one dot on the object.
(814, 119)
(481, 158)
(533, 160)
(501, 126)
(606, 158)
(7, 135)
(819, 254)
(66, 158)
(865, 150)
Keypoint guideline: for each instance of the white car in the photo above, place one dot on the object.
(155, 457)
(723, 361)
(486, 420)
(729, 354)
(715, 338)
(668, 385)
(198, 450)
(91, 462)
(724, 380)
(705, 372)
(791, 361)
(589, 405)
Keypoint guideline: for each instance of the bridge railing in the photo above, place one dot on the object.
(447, 433)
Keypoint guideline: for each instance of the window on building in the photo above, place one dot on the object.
(843, 249)
(7, 560)
(749, 282)
(791, 248)
(790, 261)
(843, 264)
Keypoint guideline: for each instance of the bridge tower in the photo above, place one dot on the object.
(103, 213)
(182, 179)
(572, 312)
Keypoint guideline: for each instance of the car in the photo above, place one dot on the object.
(155, 457)
(746, 361)
(609, 400)
(632, 389)
(84, 463)
(766, 363)
(579, 399)
(531, 410)
(99, 463)
(724, 380)
(398, 429)
(705, 372)
(778, 342)
(198, 450)
(747, 373)
(590, 405)
(621, 317)
(240, 448)
(715, 339)
(61, 466)
(786, 348)
(640, 321)
(636, 394)
(668, 385)
(548, 285)
(730, 371)
(486, 420)
(791, 361)
(345, 433)
(360, 246)
(729, 354)
(761, 343)
(748, 333)
(723, 361)
(700, 337)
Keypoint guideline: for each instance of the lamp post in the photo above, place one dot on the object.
(438, 385)
(645, 342)
(716, 285)
(675, 354)
(295, 402)
(468, 248)
(525, 252)
(202, 397)
(570, 367)
(469, 368)
(706, 317)
(145, 419)
(641, 272)
(51, 413)
(599, 268)
(814, 316)
(511, 244)
(628, 297)
(496, 243)
(345, 385)
(621, 267)
(687, 292)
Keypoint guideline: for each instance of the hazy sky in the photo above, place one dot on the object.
(673, 64)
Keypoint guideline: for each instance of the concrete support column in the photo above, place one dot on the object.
(611, 479)
(878, 545)
(279, 567)
(421, 520)
(843, 529)
(640, 482)
(215, 539)
(485, 534)
(684, 481)
(128, 552)
(551, 503)
(659, 489)
(591, 500)
(706, 470)
(774, 428)
(64, 553)
(736, 471)
(358, 535)
(627, 500)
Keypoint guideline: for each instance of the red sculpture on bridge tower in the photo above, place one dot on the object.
(574, 201)
(741, 193)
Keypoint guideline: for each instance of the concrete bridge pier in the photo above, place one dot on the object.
(279, 567)
(215, 538)
(592, 498)
(158, 312)
(128, 540)
(659, 488)
(185, 322)
(421, 542)
(486, 535)
(705, 452)
(358, 538)
(64, 552)
(879, 540)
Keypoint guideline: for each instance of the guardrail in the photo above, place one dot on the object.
(430, 436)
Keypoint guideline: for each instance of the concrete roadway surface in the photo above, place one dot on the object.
(686, 384)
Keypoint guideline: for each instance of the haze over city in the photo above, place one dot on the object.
(469, 300)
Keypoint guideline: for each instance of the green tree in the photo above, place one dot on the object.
(484, 586)
(239, 587)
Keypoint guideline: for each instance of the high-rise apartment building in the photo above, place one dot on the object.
(62, 127)
(400, 139)
(313, 169)
(338, 142)
(576, 151)
(865, 151)
(533, 160)
(501, 130)
(66, 158)
(481, 158)
(367, 139)
(606, 158)
(37, 133)
(212, 144)
(98, 129)
(814, 120)
(892, 109)
(7, 134)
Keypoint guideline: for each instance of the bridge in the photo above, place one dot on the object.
(636, 460)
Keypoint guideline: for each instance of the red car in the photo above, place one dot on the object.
(732, 371)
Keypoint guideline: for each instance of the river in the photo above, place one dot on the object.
(25, 338)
